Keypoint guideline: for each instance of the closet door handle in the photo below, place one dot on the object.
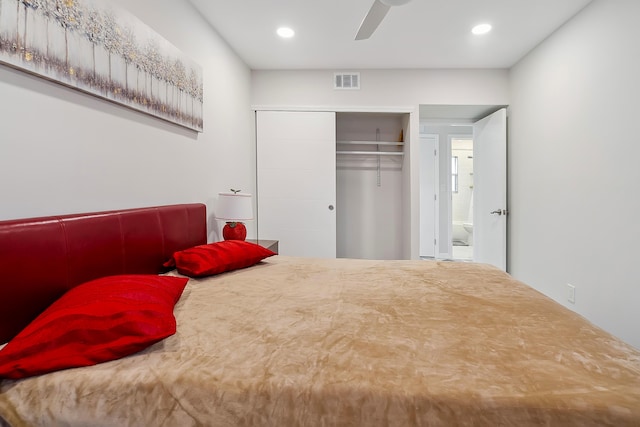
(331, 207)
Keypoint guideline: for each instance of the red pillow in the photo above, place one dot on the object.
(215, 258)
(100, 320)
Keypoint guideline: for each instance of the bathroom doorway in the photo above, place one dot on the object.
(461, 197)
(484, 240)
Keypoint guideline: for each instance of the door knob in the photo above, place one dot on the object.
(497, 211)
(330, 207)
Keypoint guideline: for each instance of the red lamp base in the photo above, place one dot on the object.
(234, 231)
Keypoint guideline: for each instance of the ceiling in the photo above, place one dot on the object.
(420, 34)
(457, 114)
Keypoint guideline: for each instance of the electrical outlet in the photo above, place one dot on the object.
(571, 293)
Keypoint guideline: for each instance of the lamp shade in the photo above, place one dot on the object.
(234, 207)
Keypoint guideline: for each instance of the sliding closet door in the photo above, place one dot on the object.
(296, 173)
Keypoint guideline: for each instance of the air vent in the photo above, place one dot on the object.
(346, 81)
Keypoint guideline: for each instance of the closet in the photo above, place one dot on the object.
(333, 184)
(369, 185)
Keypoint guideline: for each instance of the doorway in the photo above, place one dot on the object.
(455, 194)
(461, 213)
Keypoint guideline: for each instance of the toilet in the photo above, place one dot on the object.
(468, 224)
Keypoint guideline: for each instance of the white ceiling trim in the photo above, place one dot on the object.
(337, 109)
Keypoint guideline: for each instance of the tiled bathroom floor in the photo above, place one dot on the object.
(460, 253)
(463, 253)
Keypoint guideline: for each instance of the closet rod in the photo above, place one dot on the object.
(370, 142)
(373, 153)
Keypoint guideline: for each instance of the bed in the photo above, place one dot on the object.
(311, 342)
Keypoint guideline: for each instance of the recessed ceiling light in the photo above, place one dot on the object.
(285, 32)
(481, 29)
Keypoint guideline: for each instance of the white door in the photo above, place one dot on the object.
(296, 181)
(490, 190)
(428, 183)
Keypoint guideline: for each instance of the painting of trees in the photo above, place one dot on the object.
(94, 47)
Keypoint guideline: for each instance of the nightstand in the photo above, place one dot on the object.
(272, 245)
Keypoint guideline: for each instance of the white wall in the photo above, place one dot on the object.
(385, 89)
(573, 166)
(63, 151)
(381, 88)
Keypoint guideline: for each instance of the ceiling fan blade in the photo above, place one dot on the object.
(375, 16)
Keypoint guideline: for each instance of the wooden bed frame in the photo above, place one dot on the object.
(41, 258)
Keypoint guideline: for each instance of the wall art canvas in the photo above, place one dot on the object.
(95, 47)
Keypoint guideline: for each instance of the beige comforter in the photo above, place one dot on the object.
(296, 341)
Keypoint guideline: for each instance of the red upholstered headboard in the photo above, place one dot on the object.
(41, 258)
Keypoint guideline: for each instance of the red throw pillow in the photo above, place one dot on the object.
(215, 258)
(97, 321)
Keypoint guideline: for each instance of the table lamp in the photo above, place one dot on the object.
(233, 208)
